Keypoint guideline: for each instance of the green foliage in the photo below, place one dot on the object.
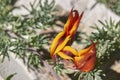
(108, 43)
(92, 75)
(40, 14)
(107, 37)
(6, 6)
(59, 67)
(114, 5)
(34, 60)
(19, 48)
(116, 8)
(20, 34)
(38, 41)
(4, 45)
(10, 76)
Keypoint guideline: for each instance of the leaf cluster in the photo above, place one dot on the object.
(20, 34)
(112, 4)
(108, 38)
(92, 75)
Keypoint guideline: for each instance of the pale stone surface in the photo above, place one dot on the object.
(66, 4)
(14, 66)
(1, 78)
(93, 12)
(116, 66)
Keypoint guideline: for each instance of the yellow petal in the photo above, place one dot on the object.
(79, 59)
(62, 45)
(87, 50)
(55, 43)
(64, 56)
(66, 26)
(76, 24)
(74, 19)
(70, 49)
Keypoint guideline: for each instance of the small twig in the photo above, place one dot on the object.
(50, 69)
(12, 34)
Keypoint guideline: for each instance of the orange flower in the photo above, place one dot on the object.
(67, 35)
(84, 60)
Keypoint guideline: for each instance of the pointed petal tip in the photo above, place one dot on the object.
(81, 15)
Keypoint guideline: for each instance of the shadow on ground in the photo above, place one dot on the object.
(111, 74)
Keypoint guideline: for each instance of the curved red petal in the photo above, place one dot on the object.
(89, 65)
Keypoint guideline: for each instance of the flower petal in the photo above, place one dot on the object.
(75, 18)
(62, 45)
(64, 56)
(79, 61)
(75, 26)
(55, 43)
(89, 65)
(69, 21)
(71, 50)
(88, 50)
